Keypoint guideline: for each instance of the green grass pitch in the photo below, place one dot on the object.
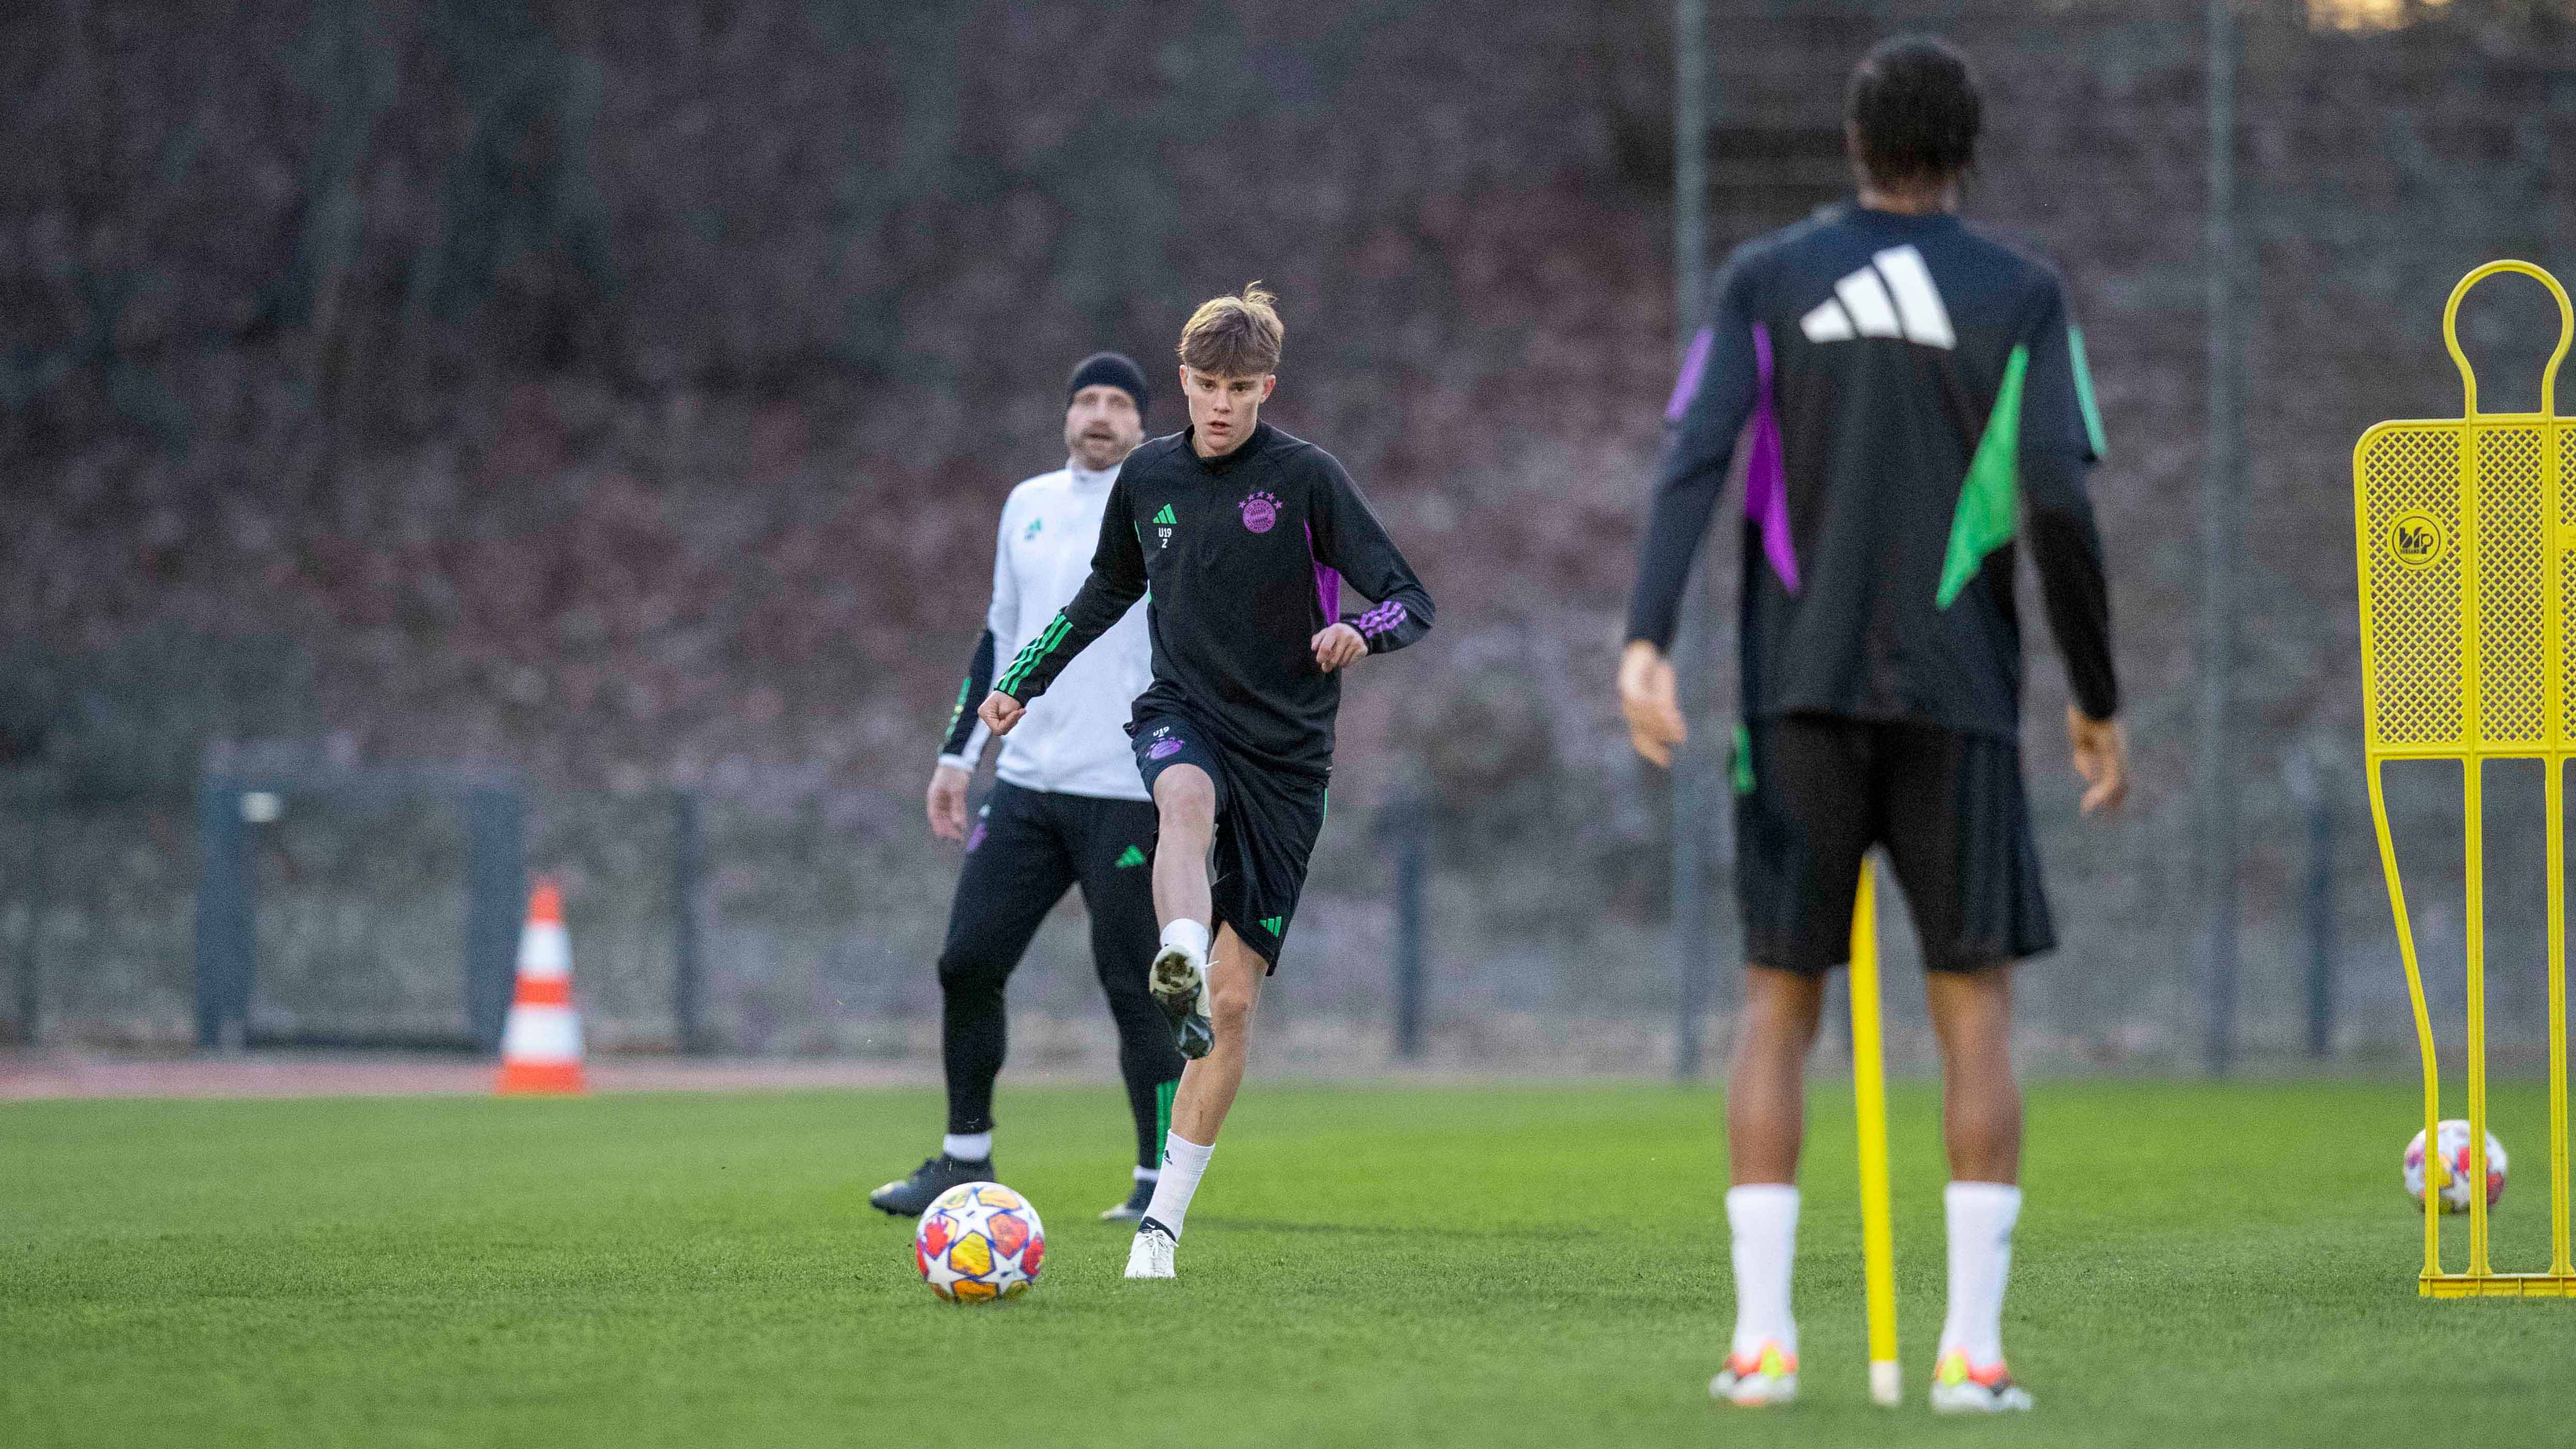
(1367, 1266)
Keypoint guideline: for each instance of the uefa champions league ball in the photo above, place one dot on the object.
(2453, 1137)
(979, 1242)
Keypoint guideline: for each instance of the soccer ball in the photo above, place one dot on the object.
(979, 1242)
(2453, 1136)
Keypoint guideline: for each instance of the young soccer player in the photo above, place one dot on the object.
(1069, 808)
(1914, 398)
(1244, 536)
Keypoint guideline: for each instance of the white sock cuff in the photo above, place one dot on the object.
(1181, 1152)
(968, 1146)
(1998, 1201)
(1189, 935)
(1148, 1174)
(1763, 1198)
(1183, 1161)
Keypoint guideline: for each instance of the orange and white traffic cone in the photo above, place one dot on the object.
(541, 1045)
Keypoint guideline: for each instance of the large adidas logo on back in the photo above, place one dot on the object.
(1891, 297)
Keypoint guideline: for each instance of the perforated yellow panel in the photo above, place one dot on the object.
(2567, 567)
(2410, 616)
(2513, 541)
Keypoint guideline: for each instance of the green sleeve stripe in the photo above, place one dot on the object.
(1034, 655)
(1990, 496)
(2084, 393)
(1039, 648)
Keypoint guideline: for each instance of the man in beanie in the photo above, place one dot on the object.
(1070, 808)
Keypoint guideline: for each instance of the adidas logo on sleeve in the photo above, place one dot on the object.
(1891, 297)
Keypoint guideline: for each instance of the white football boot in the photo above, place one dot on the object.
(1757, 1380)
(1150, 1256)
(1959, 1389)
(1178, 983)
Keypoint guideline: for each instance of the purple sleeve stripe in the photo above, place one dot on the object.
(1382, 618)
(1694, 367)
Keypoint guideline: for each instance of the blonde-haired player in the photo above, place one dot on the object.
(1245, 536)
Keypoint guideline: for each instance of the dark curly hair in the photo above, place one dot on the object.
(1914, 101)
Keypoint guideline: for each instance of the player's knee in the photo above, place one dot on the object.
(1185, 799)
(969, 973)
(1230, 1008)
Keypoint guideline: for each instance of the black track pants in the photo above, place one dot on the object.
(1027, 848)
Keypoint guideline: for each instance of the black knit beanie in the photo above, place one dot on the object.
(1115, 369)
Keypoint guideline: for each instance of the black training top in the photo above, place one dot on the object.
(1918, 398)
(1245, 555)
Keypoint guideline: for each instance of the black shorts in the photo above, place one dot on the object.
(1266, 824)
(1814, 792)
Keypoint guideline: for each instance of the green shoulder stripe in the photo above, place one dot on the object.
(1990, 496)
(2084, 393)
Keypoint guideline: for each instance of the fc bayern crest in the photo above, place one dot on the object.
(1260, 512)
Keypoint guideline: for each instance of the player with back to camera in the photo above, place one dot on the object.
(1244, 536)
(1917, 402)
(1069, 808)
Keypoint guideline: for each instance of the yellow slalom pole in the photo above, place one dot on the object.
(2556, 793)
(2434, 1176)
(2473, 773)
(1869, 1095)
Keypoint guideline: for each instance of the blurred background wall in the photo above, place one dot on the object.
(617, 400)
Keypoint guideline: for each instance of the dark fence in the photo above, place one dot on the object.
(380, 908)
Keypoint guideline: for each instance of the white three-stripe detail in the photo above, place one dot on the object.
(1893, 298)
(1827, 323)
(1865, 297)
(1917, 300)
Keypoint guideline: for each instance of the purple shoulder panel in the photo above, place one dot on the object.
(1694, 367)
(1766, 474)
(1328, 581)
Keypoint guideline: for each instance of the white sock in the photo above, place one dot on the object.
(1184, 1162)
(1763, 1220)
(1191, 936)
(1148, 1174)
(968, 1146)
(1981, 1216)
